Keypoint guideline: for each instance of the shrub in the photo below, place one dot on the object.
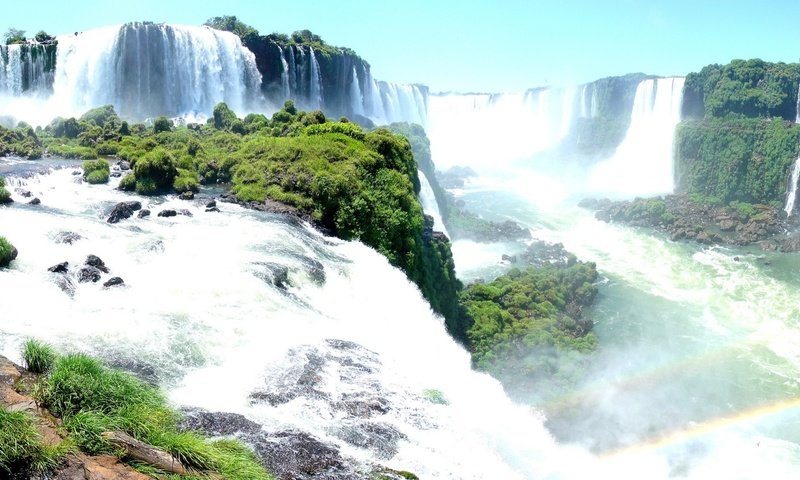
(155, 172)
(95, 171)
(38, 356)
(7, 252)
(162, 124)
(186, 181)
(128, 183)
(5, 195)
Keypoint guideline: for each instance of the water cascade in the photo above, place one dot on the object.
(285, 86)
(142, 69)
(26, 69)
(429, 203)
(315, 86)
(791, 197)
(643, 162)
(492, 131)
(356, 98)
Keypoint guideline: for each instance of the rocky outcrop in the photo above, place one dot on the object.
(683, 219)
(123, 210)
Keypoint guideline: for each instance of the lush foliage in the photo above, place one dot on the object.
(22, 451)
(14, 35)
(527, 325)
(5, 195)
(39, 357)
(7, 252)
(155, 172)
(730, 159)
(743, 88)
(96, 171)
(21, 142)
(92, 399)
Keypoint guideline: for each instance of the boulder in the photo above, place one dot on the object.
(5, 260)
(35, 201)
(113, 282)
(88, 274)
(94, 261)
(62, 267)
(211, 204)
(167, 213)
(123, 210)
(124, 165)
(143, 213)
(187, 195)
(23, 193)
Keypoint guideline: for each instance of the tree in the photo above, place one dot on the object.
(14, 35)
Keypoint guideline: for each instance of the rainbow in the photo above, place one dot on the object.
(708, 427)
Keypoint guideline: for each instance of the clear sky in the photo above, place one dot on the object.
(473, 45)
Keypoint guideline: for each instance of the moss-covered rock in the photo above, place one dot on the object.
(96, 171)
(7, 252)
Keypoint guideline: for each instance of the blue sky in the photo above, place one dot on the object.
(472, 45)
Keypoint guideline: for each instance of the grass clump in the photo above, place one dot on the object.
(96, 171)
(92, 399)
(435, 396)
(7, 252)
(22, 451)
(5, 195)
(39, 357)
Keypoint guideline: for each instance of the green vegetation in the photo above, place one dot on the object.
(96, 171)
(22, 451)
(92, 399)
(736, 159)
(527, 325)
(39, 357)
(5, 195)
(435, 396)
(14, 35)
(7, 252)
(162, 124)
(743, 88)
(21, 142)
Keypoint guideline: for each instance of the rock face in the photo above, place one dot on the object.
(682, 219)
(114, 282)
(88, 274)
(96, 262)
(5, 260)
(542, 254)
(123, 210)
(167, 213)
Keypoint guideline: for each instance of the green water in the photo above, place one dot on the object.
(688, 335)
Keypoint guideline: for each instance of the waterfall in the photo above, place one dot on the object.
(495, 130)
(285, 88)
(142, 69)
(790, 199)
(356, 97)
(429, 203)
(588, 101)
(386, 102)
(315, 85)
(643, 162)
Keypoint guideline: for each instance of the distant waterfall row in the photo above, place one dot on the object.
(26, 67)
(342, 87)
(142, 69)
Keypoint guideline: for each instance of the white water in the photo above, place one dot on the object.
(790, 199)
(285, 87)
(494, 131)
(356, 98)
(145, 70)
(315, 81)
(387, 102)
(643, 162)
(429, 203)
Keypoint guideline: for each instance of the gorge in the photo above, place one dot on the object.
(238, 311)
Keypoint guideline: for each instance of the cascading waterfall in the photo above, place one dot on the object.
(25, 69)
(491, 131)
(315, 81)
(795, 175)
(429, 204)
(791, 197)
(356, 98)
(643, 162)
(143, 70)
(215, 330)
(285, 86)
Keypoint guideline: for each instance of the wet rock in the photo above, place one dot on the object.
(217, 423)
(62, 267)
(66, 284)
(185, 212)
(115, 174)
(35, 201)
(67, 237)
(143, 213)
(113, 282)
(96, 262)
(167, 213)
(299, 456)
(5, 260)
(360, 406)
(124, 165)
(123, 210)
(274, 274)
(23, 193)
(212, 209)
(188, 195)
(76, 172)
(88, 274)
(542, 254)
(211, 204)
(378, 437)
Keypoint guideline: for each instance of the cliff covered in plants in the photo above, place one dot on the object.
(738, 139)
